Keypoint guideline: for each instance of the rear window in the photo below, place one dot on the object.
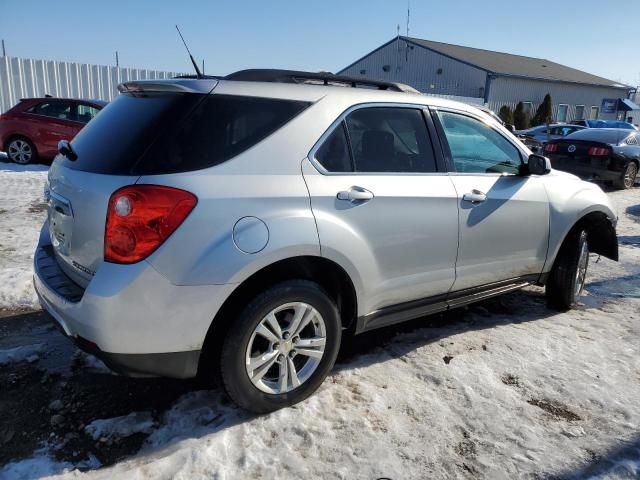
(598, 135)
(169, 133)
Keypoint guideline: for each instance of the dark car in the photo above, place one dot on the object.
(32, 129)
(598, 123)
(536, 137)
(608, 154)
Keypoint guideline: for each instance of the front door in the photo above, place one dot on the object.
(382, 208)
(504, 216)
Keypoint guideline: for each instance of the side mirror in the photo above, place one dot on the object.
(65, 149)
(538, 165)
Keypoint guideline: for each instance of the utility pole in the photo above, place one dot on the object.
(203, 66)
(4, 52)
(117, 59)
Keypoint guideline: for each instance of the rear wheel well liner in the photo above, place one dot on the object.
(328, 274)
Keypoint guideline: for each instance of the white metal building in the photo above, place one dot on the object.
(496, 79)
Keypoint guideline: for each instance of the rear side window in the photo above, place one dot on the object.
(168, 133)
(86, 113)
(333, 155)
(219, 128)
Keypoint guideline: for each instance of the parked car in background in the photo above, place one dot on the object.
(238, 227)
(608, 154)
(31, 130)
(598, 123)
(536, 137)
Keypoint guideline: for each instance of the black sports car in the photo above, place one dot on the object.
(608, 154)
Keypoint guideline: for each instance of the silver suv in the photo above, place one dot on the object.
(237, 227)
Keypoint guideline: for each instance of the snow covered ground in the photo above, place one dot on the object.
(22, 209)
(507, 389)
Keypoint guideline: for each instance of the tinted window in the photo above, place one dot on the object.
(477, 148)
(333, 155)
(219, 128)
(61, 110)
(390, 140)
(86, 113)
(598, 135)
(165, 133)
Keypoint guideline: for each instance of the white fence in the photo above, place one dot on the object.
(23, 77)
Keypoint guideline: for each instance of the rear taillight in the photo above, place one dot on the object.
(598, 151)
(140, 218)
(551, 147)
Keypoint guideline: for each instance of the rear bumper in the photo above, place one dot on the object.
(130, 316)
(596, 170)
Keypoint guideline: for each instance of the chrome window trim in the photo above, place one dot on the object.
(359, 106)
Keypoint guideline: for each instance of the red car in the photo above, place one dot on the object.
(31, 130)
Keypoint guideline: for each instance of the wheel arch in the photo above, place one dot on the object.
(327, 273)
(601, 235)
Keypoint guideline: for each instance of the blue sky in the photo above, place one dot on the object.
(318, 35)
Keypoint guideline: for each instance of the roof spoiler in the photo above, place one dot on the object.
(175, 85)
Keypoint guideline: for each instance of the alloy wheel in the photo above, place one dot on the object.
(630, 175)
(581, 270)
(285, 348)
(20, 151)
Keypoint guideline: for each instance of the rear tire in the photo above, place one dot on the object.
(21, 150)
(293, 358)
(567, 277)
(628, 178)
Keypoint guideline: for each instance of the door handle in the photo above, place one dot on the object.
(355, 195)
(476, 196)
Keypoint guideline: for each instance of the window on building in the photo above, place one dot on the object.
(563, 111)
(476, 147)
(595, 112)
(527, 107)
(579, 112)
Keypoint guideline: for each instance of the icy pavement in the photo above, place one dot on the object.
(505, 389)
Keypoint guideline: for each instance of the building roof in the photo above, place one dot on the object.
(514, 65)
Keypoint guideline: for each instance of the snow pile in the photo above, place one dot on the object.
(30, 353)
(40, 465)
(22, 212)
(120, 427)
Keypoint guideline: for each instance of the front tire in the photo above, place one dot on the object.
(628, 178)
(568, 275)
(281, 348)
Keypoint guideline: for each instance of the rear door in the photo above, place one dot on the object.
(383, 206)
(504, 217)
(52, 121)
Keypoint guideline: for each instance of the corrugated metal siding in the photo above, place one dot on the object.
(418, 67)
(509, 91)
(23, 77)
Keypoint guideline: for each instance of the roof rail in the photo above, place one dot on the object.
(323, 78)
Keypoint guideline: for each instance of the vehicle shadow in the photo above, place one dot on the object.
(184, 410)
(622, 461)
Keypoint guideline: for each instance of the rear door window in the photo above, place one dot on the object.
(334, 155)
(56, 109)
(86, 112)
(389, 139)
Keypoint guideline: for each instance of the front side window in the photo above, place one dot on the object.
(476, 147)
(388, 139)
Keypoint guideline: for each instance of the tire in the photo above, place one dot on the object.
(567, 277)
(246, 338)
(628, 178)
(21, 150)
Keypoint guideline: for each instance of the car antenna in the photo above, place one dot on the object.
(195, 65)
